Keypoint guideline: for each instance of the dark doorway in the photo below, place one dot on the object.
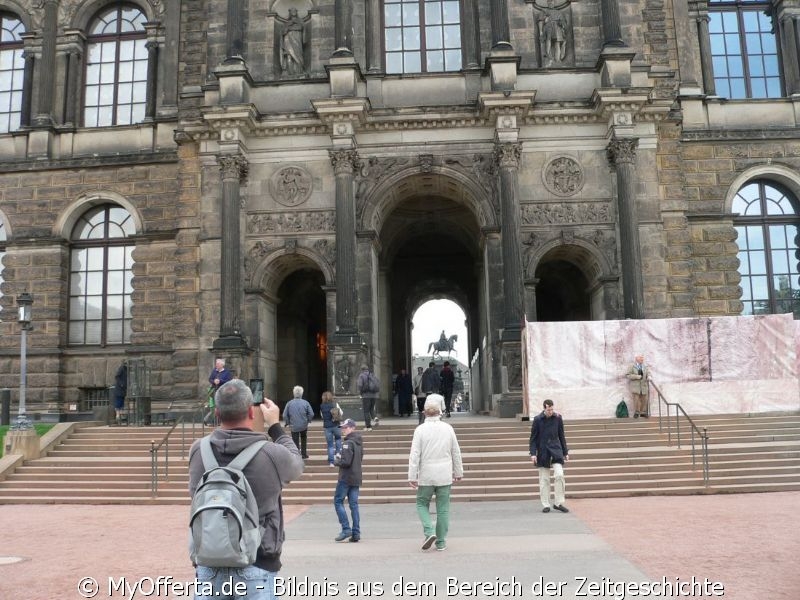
(301, 333)
(562, 292)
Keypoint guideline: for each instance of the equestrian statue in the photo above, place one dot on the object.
(442, 344)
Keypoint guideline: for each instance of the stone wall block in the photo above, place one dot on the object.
(680, 267)
(766, 150)
(719, 234)
(682, 300)
(711, 307)
(708, 248)
(678, 252)
(731, 151)
(725, 292)
(709, 278)
(697, 151)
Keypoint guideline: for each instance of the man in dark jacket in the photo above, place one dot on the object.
(349, 463)
(274, 466)
(548, 448)
(405, 388)
(448, 378)
(430, 384)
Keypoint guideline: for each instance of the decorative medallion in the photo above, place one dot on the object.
(291, 186)
(563, 176)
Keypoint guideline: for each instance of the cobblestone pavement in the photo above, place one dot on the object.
(749, 542)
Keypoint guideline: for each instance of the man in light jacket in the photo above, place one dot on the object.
(433, 466)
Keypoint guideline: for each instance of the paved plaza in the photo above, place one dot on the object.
(748, 543)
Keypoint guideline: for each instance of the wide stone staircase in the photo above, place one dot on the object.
(609, 457)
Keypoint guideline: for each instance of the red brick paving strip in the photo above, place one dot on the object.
(750, 542)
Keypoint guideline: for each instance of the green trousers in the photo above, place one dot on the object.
(424, 495)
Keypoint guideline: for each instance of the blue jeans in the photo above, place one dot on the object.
(351, 491)
(333, 435)
(250, 582)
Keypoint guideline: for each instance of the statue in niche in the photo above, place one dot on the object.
(553, 25)
(292, 44)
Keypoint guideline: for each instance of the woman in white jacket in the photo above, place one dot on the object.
(434, 463)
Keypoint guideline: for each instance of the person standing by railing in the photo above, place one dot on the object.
(638, 377)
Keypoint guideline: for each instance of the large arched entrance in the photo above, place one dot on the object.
(431, 245)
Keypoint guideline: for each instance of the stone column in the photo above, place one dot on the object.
(152, 80)
(507, 157)
(47, 66)
(622, 155)
(790, 58)
(343, 40)
(73, 58)
(234, 169)
(501, 36)
(27, 86)
(706, 65)
(373, 36)
(235, 31)
(471, 46)
(346, 302)
(612, 32)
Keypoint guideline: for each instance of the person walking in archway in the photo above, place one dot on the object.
(448, 379)
(369, 388)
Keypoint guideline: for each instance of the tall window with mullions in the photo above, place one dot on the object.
(422, 36)
(101, 276)
(767, 227)
(116, 68)
(744, 49)
(12, 68)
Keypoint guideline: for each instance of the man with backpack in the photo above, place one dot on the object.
(235, 479)
(349, 462)
(369, 388)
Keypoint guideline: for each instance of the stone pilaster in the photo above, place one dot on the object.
(27, 86)
(706, 66)
(234, 169)
(373, 36)
(622, 155)
(470, 40)
(507, 157)
(612, 31)
(152, 80)
(234, 38)
(346, 301)
(343, 28)
(47, 66)
(501, 36)
(73, 66)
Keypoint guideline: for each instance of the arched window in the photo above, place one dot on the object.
(744, 49)
(12, 67)
(422, 36)
(100, 277)
(767, 224)
(116, 68)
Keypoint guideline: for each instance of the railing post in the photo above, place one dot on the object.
(153, 466)
(166, 459)
(706, 471)
(678, 426)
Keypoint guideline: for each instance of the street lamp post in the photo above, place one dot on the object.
(24, 302)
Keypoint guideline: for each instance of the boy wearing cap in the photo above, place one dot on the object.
(434, 463)
(349, 463)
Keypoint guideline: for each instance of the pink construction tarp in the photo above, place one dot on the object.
(709, 365)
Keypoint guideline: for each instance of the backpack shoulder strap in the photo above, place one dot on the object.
(207, 454)
(245, 456)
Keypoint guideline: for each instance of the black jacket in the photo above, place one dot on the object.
(548, 443)
(447, 381)
(349, 462)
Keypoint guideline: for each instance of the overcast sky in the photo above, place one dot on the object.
(429, 321)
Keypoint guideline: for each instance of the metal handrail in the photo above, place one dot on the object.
(154, 449)
(702, 435)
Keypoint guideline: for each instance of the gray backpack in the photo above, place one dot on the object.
(224, 529)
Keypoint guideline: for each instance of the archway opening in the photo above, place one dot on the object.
(562, 292)
(301, 336)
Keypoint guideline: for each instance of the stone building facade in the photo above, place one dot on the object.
(284, 182)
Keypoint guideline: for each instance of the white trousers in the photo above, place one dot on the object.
(544, 485)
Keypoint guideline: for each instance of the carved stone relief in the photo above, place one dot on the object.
(566, 212)
(253, 257)
(512, 359)
(554, 32)
(606, 241)
(483, 169)
(371, 171)
(345, 366)
(291, 222)
(563, 176)
(291, 186)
